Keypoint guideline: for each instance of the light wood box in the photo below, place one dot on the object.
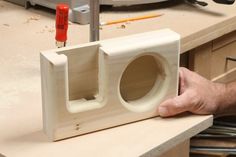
(108, 83)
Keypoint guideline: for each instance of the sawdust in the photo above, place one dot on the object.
(123, 26)
(33, 18)
(70, 23)
(42, 31)
(51, 30)
(47, 29)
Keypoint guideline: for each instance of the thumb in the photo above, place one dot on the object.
(174, 106)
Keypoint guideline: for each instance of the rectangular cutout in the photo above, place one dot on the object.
(82, 72)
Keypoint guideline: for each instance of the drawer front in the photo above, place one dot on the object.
(219, 64)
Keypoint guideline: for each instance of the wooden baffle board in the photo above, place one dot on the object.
(103, 84)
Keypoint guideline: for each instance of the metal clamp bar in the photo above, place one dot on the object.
(94, 20)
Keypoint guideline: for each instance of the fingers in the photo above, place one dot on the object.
(186, 101)
(174, 106)
(178, 104)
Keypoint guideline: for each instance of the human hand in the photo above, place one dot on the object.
(197, 95)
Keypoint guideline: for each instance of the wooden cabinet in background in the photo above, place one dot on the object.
(209, 60)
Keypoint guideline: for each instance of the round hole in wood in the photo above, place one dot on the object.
(139, 77)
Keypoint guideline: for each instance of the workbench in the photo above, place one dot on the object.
(24, 33)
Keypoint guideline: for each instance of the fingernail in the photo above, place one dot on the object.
(163, 111)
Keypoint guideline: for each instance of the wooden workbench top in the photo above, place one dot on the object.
(196, 24)
(24, 33)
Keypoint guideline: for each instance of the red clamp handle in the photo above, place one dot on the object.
(62, 12)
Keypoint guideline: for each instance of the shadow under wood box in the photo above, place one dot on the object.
(108, 83)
